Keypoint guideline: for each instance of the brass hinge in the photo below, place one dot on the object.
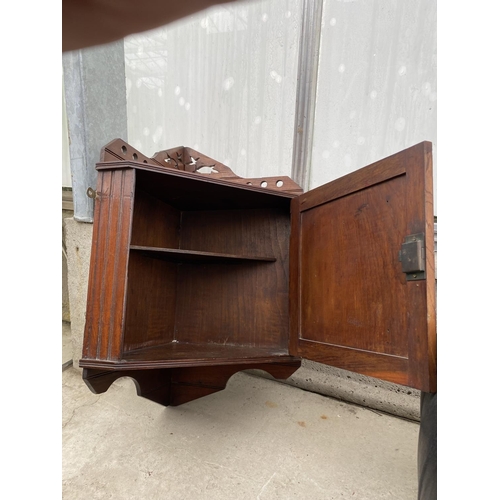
(412, 257)
(92, 193)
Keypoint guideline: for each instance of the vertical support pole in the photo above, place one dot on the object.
(307, 77)
(96, 105)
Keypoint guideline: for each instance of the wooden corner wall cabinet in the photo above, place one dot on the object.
(196, 273)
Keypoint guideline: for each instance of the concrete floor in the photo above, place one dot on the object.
(258, 439)
(67, 347)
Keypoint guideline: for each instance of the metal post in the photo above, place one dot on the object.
(96, 104)
(306, 91)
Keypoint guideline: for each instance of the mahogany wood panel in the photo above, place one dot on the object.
(294, 280)
(195, 277)
(180, 256)
(155, 223)
(352, 287)
(189, 160)
(118, 149)
(150, 384)
(244, 232)
(245, 304)
(151, 302)
(179, 351)
(151, 292)
(351, 304)
(189, 384)
(275, 183)
(181, 158)
(371, 175)
(382, 366)
(190, 355)
(422, 294)
(108, 265)
(180, 385)
(188, 191)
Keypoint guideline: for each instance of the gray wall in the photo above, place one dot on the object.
(94, 85)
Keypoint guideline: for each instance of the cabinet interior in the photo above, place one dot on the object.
(195, 277)
(208, 271)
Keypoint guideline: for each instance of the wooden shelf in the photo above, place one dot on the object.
(185, 350)
(179, 354)
(177, 255)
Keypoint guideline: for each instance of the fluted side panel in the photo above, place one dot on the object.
(108, 265)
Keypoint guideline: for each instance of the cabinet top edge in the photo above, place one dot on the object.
(115, 165)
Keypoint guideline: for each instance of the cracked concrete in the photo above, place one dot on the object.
(258, 439)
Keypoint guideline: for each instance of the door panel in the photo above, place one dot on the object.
(351, 303)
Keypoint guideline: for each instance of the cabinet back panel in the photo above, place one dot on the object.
(260, 232)
(155, 223)
(239, 304)
(150, 308)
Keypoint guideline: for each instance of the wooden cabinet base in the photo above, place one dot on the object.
(176, 386)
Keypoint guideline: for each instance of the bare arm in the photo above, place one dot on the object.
(93, 22)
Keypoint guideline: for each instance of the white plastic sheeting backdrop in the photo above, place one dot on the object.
(224, 82)
(376, 90)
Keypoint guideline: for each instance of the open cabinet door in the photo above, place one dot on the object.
(362, 277)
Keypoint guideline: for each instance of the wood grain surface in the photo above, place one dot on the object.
(355, 308)
(193, 278)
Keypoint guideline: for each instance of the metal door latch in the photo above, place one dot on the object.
(412, 257)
